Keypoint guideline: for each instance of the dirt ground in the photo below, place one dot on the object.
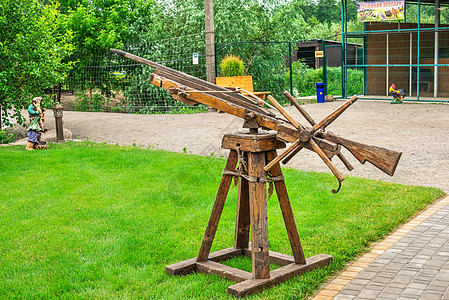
(420, 131)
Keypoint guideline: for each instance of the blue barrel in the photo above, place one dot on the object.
(320, 92)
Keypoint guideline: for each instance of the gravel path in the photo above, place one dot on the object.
(420, 131)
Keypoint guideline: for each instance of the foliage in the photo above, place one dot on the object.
(304, 80)
(116, 216)
(232, 65)
(6, 137)
(33, 54)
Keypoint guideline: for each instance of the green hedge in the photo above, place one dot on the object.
(304, 80)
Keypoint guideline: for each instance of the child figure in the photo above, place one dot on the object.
(36, 125)
(398, 95)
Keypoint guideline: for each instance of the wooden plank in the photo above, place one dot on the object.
(189, 266)
(201, 86)
(252, 143)
(258, 211)
(182, 268)
(281, 259)
(210, 267)
(217, 208)
(225, 254)
(208, 99)
(287, 213)
(252, 286)
(243, 82)
(184, 100)
(275, 257)
(242, 222)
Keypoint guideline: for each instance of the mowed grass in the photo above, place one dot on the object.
(85, 220)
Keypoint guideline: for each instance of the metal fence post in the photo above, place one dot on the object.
(290, 66)
(324, 66)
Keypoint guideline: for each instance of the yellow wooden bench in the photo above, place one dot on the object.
(243, 82)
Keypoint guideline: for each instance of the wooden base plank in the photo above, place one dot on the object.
(211, 267)
(275, 257)
(189, 266)
(252, 286)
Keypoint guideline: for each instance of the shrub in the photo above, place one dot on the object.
(232, 65)
(6, 137)
(304, 80)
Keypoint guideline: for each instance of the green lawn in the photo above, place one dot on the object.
(85, 220)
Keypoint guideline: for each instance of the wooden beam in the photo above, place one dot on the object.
(217, 209)
(258, 211)
(251, 286)
(189, 266)
(234, 274)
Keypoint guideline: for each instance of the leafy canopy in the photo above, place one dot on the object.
(33, 53)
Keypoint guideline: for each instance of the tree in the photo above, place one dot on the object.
(33, 53)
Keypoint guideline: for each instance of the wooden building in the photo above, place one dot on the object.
(306, 52)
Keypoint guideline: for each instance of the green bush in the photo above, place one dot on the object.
(6, 137)
(305, 79)
(232, 65)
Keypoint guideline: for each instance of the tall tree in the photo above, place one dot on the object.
(33, 52)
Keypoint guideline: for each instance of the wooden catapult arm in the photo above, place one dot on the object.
(193, 91)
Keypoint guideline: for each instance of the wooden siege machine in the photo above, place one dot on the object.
(258, 164)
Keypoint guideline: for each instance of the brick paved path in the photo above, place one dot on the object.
(412, 263)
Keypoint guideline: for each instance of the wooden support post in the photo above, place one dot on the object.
(287, 213)
(218, 208)
(259, 215)
(242, 223)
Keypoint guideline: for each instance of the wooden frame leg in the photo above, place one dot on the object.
(258, 213)
(217, 208)
(242, 223)
(287, 213)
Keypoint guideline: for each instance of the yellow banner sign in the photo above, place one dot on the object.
(319, 54)
(380, 11)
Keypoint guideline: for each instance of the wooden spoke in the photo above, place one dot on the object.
(329, 119)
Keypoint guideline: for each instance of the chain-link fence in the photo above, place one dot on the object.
(105, 81)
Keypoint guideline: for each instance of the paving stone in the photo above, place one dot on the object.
(427, 272)
(375, 286)
(393, 290)
(418, 286)
(360, 281)
(367, 274)
(368, 294)
(439, 283)
(423, 280)
(402, 279)
(349, 292)
(412, 291)
(386, 295)
(426, 295)
(407, 273)
(387, 274)
(344, 297)
(394, 266)
(436, 288)
(379, 279)
(355, 287)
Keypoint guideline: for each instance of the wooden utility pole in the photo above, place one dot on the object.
(210, 40)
